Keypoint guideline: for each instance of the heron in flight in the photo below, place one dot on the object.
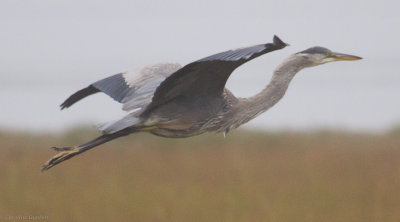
(172, 101)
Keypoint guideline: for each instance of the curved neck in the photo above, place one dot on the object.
(251, 107)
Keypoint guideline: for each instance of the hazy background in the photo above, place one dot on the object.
(341, 171)
(50, 49)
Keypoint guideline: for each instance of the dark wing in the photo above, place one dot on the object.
(114, 86)
(208, 76)
(134, 90)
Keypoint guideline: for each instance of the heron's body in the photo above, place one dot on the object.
(173, 101)
(188, 116)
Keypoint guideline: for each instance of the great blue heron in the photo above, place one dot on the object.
(173, 101)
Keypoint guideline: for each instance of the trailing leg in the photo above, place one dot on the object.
(66, 153)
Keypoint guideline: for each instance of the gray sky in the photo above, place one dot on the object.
(50, 49)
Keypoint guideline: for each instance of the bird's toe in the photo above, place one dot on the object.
(60, 157)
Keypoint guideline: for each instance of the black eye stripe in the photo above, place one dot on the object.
(316, 50)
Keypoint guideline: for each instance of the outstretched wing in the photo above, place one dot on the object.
(208, 76)
(133, 90)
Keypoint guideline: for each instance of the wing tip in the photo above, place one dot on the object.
(63, 106)
(66, 104)
(78, 96)
(279, 43)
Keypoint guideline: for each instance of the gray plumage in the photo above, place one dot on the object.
(173, 101)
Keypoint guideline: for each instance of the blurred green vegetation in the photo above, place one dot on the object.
(249, 176)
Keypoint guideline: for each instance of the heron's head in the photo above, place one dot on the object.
(320, 55)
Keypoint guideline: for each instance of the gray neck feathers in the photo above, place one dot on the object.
(249, 108)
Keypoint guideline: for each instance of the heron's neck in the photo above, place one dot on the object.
(273, 92)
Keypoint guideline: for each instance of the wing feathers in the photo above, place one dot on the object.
(114, 86)
(133, 89)
(78, 96)
(207, 76)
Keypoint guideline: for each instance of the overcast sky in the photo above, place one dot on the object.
(50, 49)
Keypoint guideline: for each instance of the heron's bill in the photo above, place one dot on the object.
(345, 57)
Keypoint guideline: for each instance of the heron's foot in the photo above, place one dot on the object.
(65, 153)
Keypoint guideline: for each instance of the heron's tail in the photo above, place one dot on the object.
(66, 153)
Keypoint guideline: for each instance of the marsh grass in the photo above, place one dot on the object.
(249, 176)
